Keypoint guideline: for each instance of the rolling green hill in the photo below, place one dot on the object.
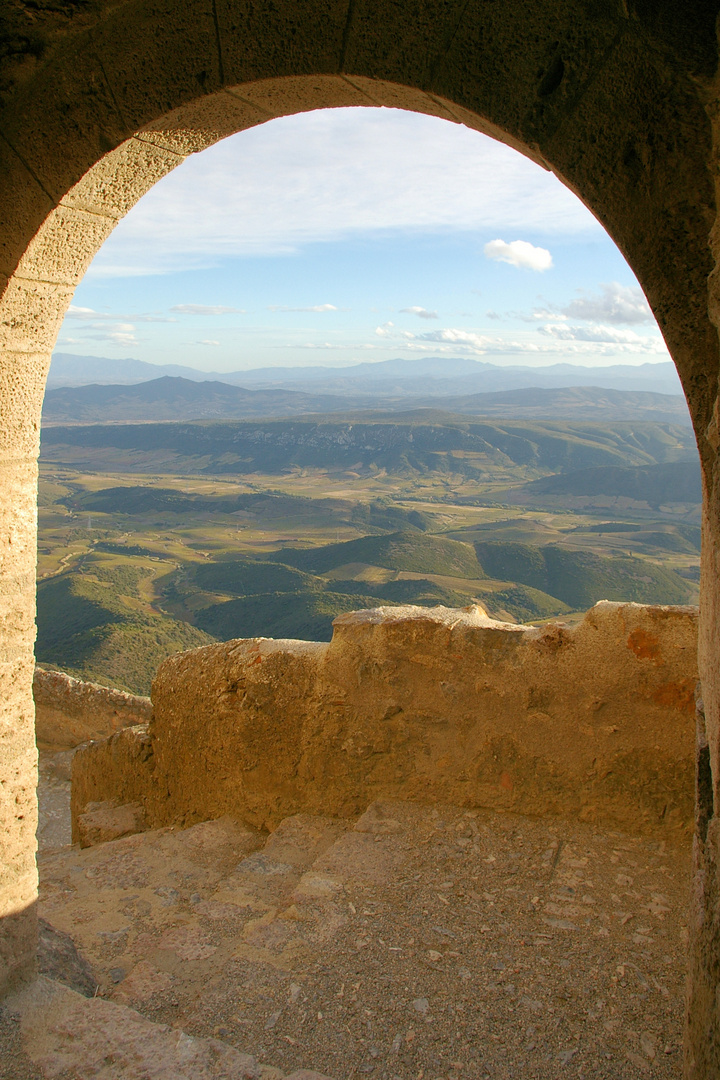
(246, 577)
(670, 482)
(581, 578)
(87, 627)
(280, 615)
(416, 552)
(418, 591)
(377, 515)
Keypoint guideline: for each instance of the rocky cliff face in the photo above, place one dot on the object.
(438, 705)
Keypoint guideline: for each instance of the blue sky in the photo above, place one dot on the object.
(357, 235)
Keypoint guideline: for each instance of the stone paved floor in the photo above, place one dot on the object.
(415, 943)
(54, 799)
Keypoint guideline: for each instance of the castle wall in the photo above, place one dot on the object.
(69, 711)
(595, 722)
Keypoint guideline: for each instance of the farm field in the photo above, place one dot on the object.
(134, 565)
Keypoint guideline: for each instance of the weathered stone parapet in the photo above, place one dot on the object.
(118, 769)
(69, 712)
(438, 705)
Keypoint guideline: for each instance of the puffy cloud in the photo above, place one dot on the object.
(625, 340)
(122, 334)
(202, 309)
(615, 304)
(593, 341)
(564, 332)
(519, 253)
(421, 312)
(317, 307)
(476, 342)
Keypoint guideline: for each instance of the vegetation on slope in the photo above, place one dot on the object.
(581, 578)
(89, 627)
(246, 577)
(442, 445)
(416, 552)
(671, 482)
(378, 515)
(143, 570)
(280, 615)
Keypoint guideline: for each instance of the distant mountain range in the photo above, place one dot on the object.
(436, 376)
(175, 398)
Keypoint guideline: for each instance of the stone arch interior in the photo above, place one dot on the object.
(47, 273)
(111, 183)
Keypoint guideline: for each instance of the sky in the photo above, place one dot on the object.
(355, 235)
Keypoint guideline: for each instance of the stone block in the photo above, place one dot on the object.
(25, 205)
(22, 383)
(103, 821)
(311, 31)
(31, 313)
(301, 93)
(69, 712)
(193, 127)
(65, 245)
(122, 176)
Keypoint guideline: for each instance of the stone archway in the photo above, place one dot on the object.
(97, 101)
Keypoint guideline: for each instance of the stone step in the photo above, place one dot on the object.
(66, 1034)
(414, 939)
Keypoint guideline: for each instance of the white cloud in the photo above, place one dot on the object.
(121, 335)
(206, 341)
(590, 343)
(86, 314)
(202, 309)
(616, 304)
(325, 345)
(537, 315)
(608, 335)
(477, 342)
(330, 175)
(519, 253)
(421, 312)
(317, 307)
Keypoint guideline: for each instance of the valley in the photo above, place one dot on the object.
(156, 538)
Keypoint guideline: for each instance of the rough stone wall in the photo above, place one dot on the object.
(69, 712)
(595, 722)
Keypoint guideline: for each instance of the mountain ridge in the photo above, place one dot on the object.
(466, 375)
(176, 398)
